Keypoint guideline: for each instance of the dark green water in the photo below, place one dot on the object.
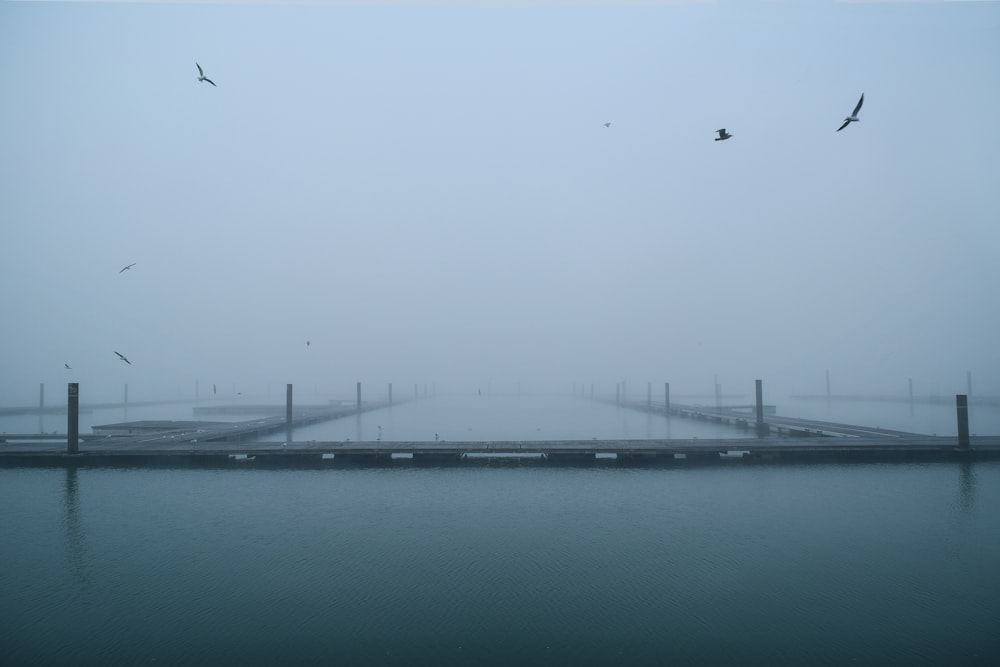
(725, 565)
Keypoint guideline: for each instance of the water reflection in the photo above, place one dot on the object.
(966, 486)
(74, 527)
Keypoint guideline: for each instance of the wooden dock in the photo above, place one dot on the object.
(186, 451)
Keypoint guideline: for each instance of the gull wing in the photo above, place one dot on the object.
(846, 123)
(858, 108)
(200, 71)
(211, 82)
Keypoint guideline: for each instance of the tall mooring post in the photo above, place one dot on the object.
(359, 397)
(649, 395)
(762, 428)
(962, 410)
(41, 397)
(666, 397)
(73, 418)
(288, 407)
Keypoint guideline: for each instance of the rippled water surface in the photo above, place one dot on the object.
(827, 564)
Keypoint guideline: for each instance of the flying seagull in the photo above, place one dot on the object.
(723, 135)
(67, 367)
(127, 267)
(122, 357)
(607, 125)
(202, 77)
(853, 118)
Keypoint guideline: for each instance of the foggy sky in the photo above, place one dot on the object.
(428, 194)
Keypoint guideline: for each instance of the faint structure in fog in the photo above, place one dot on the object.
(202, 77)
(122, 357)
(723, 135)
(853, 118)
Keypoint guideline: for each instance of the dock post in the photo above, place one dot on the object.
(390, 393)
(649, 395)
(666, 397)
(962, 409)
(359, 397)
(73, 418)
(762, 428)
(288, 406)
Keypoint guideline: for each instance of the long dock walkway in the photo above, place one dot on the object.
(184, 452)
(743, 417)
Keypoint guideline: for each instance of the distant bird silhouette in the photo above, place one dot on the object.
(202, 77)
(67, 367)
(607, 125)
(723, 135)
(853, 118)
(307, 343)
(127, 267)
(122, 357)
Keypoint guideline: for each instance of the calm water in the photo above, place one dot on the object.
(723, 565)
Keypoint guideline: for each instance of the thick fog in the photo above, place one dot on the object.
(431, 195)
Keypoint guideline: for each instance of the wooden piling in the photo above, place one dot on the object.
(73, 418)
(666, 397)
(962, 411)
(762, 428)
(288, 412)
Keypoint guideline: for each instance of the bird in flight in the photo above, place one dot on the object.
(307, 343)
(202, 77)
(67, 367)
(607, 125)
(122, 357)
(853, 118)
(127, 267)
(723, 135)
